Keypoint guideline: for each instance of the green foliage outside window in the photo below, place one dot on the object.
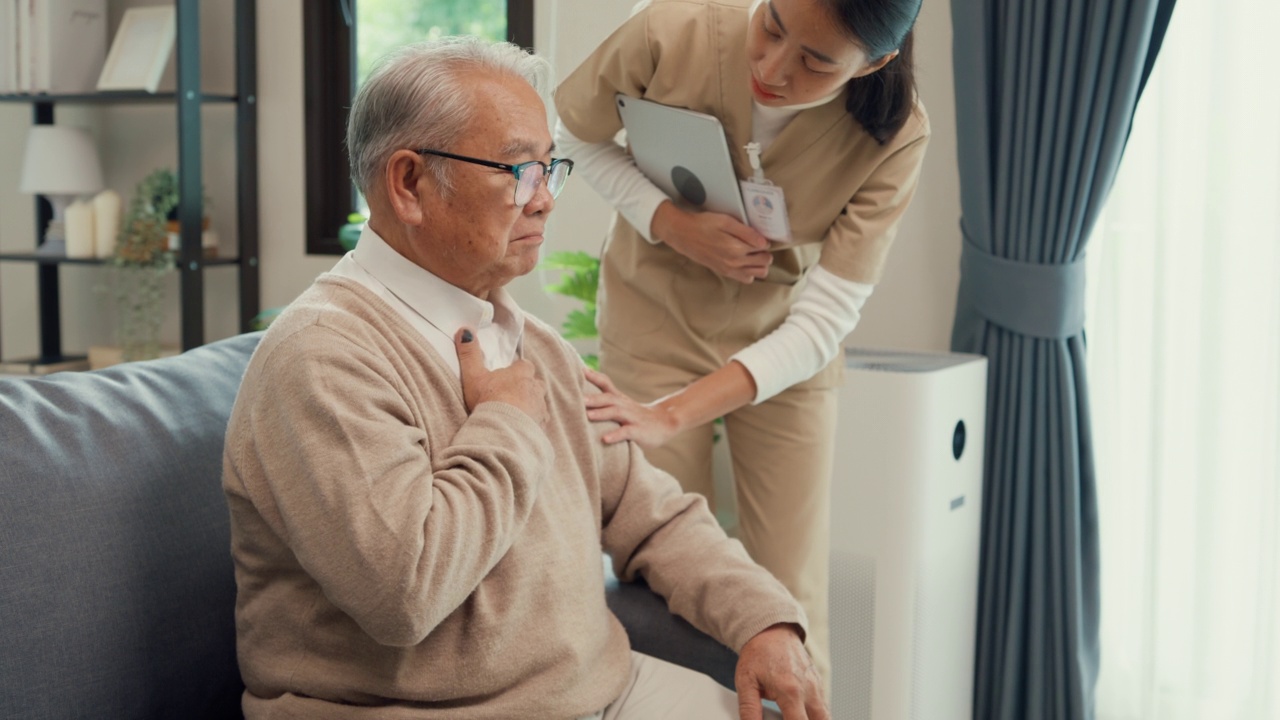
(382, 25)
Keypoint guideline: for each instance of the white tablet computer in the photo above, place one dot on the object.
(683, 152)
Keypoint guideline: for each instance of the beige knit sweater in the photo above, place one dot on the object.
(397, 558)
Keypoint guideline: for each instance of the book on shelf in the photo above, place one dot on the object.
(37, 366)
(8, 46)
(51, 46)
(22, 46)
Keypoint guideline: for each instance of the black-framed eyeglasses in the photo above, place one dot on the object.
(529, 175)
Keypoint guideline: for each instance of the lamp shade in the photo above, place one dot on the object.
(60, 160)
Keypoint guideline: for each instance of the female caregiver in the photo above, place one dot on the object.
(701, 316)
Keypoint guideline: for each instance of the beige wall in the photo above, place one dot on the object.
(911, 309)
(17, 228)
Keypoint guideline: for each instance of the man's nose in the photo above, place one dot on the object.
(542, 202)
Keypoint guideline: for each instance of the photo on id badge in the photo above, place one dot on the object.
(766, 210)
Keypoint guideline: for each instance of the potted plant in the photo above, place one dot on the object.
(580, 280)
(141, 262)
(174, 227)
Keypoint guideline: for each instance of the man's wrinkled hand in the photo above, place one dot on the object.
(774, 665)
(516, 385)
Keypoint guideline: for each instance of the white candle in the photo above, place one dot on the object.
(79, 229)
(106, 215)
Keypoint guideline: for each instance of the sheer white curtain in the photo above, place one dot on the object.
(1184, 359)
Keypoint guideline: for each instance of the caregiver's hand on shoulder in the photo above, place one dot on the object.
(714, 240)
(648, 425)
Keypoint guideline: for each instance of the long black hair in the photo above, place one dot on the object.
(882, 101)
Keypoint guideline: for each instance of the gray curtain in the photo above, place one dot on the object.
(1045, 95)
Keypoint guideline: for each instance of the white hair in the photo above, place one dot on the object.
(414, 99)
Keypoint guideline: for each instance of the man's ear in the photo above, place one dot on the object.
(875, 66)
(406, 181)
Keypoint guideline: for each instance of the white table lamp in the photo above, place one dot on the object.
(60, 163)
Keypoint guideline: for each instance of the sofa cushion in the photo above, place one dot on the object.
(116, 585)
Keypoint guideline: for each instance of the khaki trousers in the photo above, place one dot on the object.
(782, 454)
(659, 690)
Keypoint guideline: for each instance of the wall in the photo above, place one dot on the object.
(911, 308)
(17, 228)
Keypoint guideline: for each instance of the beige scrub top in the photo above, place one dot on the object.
(845, 193)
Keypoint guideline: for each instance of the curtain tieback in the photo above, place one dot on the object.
(1044, 301)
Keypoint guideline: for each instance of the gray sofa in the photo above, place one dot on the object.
(116, 584)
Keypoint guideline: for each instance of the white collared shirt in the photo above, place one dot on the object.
(434, 307)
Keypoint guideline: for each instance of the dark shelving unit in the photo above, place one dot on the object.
(188, 99)
(110, 98)
(54, 260)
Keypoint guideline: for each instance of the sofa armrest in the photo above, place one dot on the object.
(655, 631)
(117, 588)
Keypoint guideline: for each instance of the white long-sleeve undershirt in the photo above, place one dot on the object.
(823, 314)
(608, 168)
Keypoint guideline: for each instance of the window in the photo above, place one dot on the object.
(342, 40)
(1184, 365)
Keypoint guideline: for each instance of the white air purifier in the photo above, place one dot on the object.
(906, 507)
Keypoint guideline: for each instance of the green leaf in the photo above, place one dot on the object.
(580, 324)
(263, 320)
(580, 285)
(591, 360)
(571, 260)
(580, 281)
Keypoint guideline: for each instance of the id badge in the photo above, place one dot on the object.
(766, 210)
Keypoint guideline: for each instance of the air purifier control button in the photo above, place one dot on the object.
(957, 440)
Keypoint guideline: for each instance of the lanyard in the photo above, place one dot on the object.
(753, 156)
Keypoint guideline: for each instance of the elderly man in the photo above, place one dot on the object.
(418, 501)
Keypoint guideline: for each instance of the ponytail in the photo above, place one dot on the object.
(882, 101)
